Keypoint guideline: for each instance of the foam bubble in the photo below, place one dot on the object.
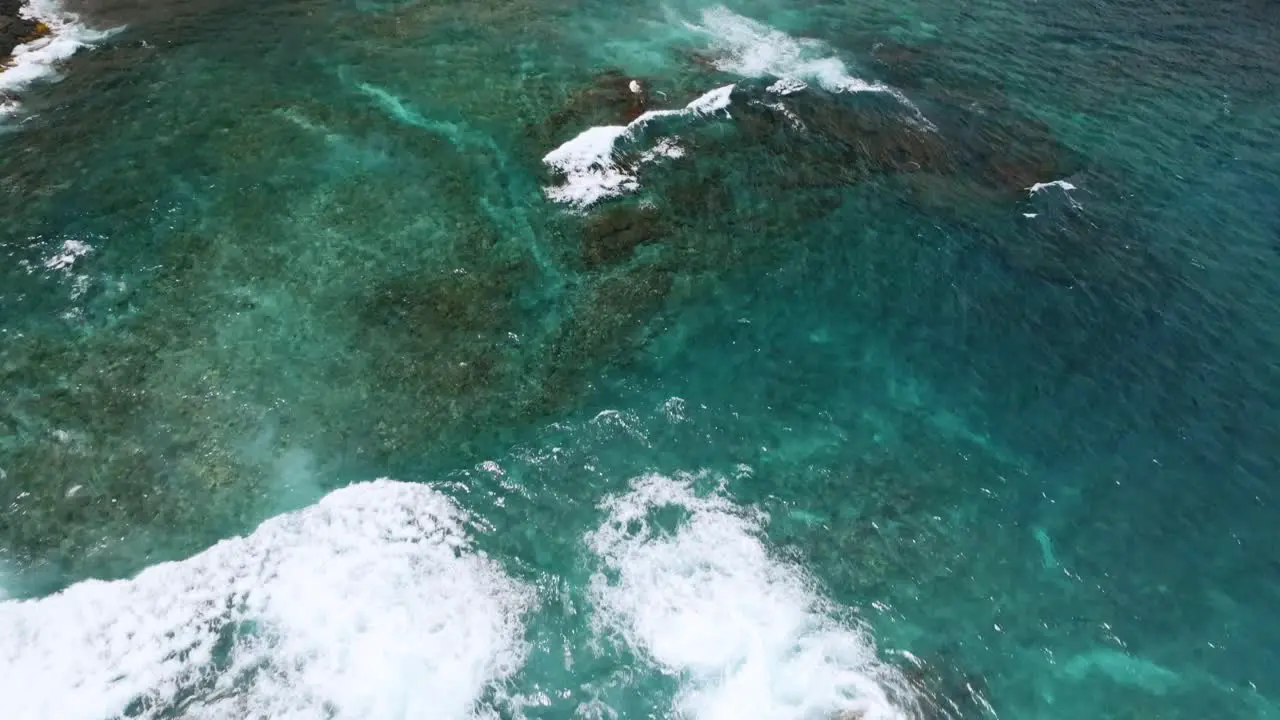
(40, 58)
(587, 164)
(369, 604)
(746, 632)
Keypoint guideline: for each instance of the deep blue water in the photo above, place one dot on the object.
(822, 409)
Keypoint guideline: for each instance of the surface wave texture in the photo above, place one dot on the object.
(764, 360)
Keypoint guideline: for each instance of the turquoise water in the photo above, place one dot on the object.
(800, 404)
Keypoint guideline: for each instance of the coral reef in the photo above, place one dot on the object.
(612, 235)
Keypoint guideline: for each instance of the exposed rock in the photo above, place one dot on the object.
(15, 31)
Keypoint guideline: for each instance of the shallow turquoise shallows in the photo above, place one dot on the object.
(774, 360)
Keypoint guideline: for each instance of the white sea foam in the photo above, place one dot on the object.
(787, 86)
(40, 58)
(711, 102)
(753, 49)
(1066, 186)
(746, 633)
(369, 605)
(590, 174)
(589, 168)
(667, 147)
(67, 255)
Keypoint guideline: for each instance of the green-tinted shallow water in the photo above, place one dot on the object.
(824, 412)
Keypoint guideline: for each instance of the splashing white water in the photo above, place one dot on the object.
(368, 605)
(68, 253)
(590, 171)
(747, 633)
(40, 58)
(750, 48)
(787, 86)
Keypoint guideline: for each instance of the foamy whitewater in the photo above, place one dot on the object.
(747, 634)
(40, 58)
(589, 165)
(750, 48)
(369, 605)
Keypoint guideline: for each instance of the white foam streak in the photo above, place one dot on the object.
(785, 111)
(1066, 186)
(590, 172)
(750, 48)
(40, 58)
(753, 49)
(367, 605)
(708, 602)
(711, 102)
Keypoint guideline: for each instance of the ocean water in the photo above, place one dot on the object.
(764, 359)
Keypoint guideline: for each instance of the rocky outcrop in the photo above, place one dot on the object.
(16, 30)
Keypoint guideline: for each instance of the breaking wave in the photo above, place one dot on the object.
(369, 605)
(687, 581)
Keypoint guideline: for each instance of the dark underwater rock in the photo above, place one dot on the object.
(906, 66)
(613, 235)
(608, 99)
(966, 154)
(437, 342)
(882, 140)
(608, 326)
(945, 691)
(815, 139)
